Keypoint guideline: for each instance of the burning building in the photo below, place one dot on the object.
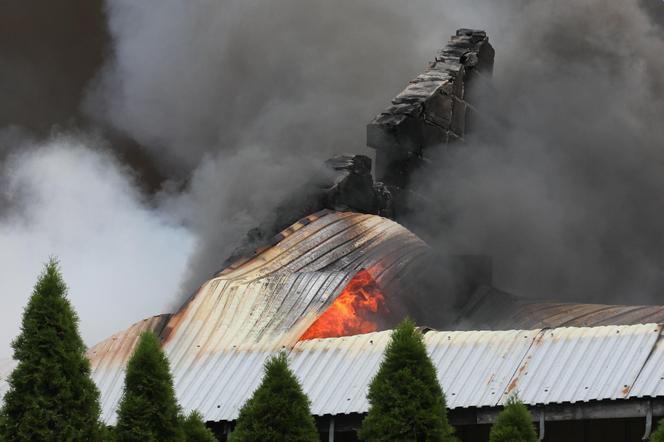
(339, 266)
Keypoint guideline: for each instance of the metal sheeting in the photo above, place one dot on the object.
(584, 315)
(219, 339)
(482, 368)
(109, 358)
(650, 381)
(476, 366)
(335, 373)
(497, 310)
(475, 369)
(219, 348)
(582, 364)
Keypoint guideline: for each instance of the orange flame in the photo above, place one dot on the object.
(350, 313)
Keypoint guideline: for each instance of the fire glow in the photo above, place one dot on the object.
(351, 313)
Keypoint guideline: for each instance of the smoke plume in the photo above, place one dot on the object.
(563, 182)
(214, 111)
(241, 100)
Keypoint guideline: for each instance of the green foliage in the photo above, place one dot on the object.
(278, 410)
(195, 429)
(514, 424)
(406, 401)
(107, 433)
(658, 434)
(51, 395)
(148, 410)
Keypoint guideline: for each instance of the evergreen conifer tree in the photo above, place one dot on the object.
(658, 434)
(195, 429)
(513, 424)
(278, 411)
(148, 410)
(51, 395)
(406, 401)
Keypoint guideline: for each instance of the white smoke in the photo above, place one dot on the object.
(122, 260)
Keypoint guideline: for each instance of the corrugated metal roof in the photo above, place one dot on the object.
(221, 343)
(218, 341)
(475, 367)
(650, 382)
(335, 373)
(482, 368)
(493, 309)
(582, 364)
(109, 358)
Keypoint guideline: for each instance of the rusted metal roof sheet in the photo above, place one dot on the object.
(583, 364)
(475, 368)
(584, 315)
(493, 309)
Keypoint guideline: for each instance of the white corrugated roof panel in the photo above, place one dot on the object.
(650, 382)
(474, 368)
(335, 373)
(582, 364)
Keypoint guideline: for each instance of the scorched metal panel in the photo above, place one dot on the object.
(217, 342)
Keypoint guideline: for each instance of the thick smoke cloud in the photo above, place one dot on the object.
(122, 261)
(248, 97)
(564, 182)
(189, 79)
(223, 108)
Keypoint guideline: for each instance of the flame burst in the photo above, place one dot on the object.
(350, 313)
